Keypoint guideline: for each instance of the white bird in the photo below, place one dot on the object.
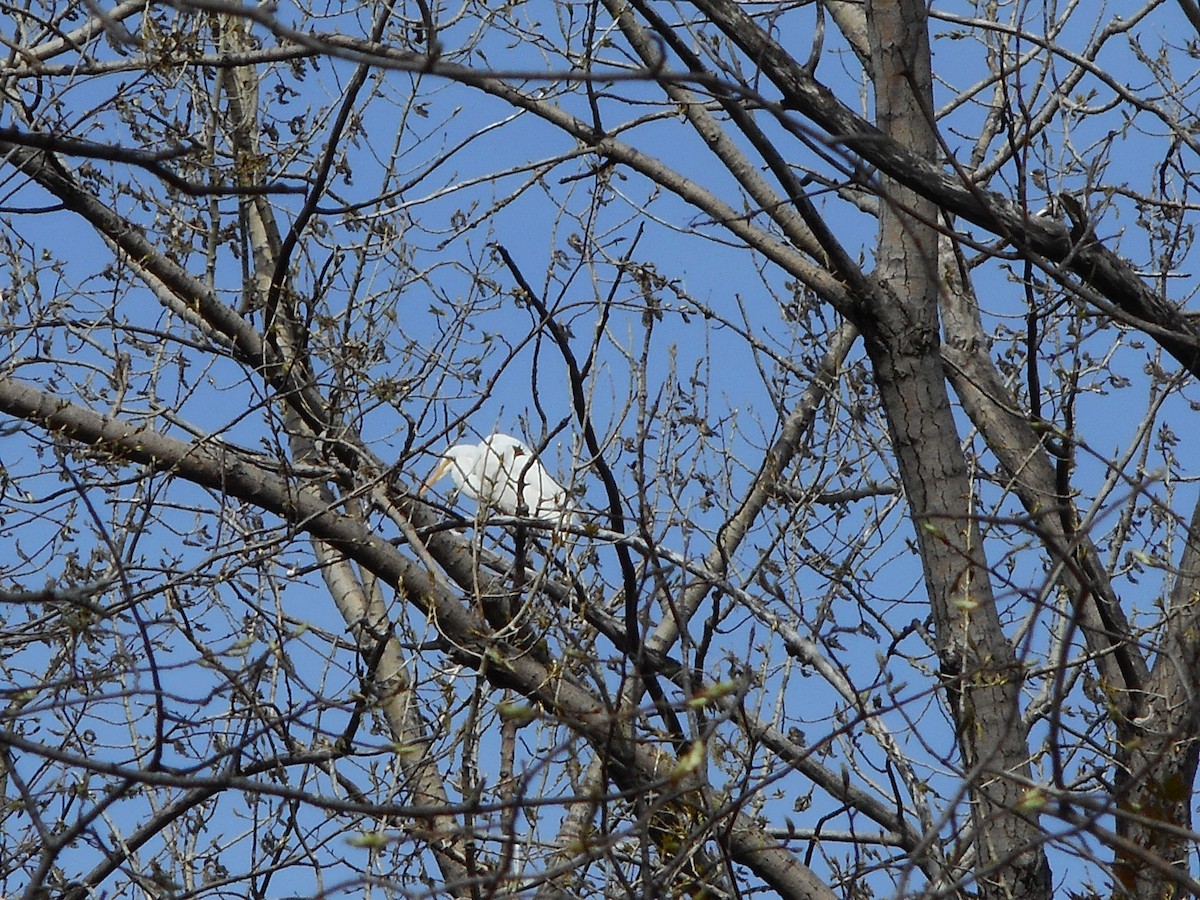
(501, 472)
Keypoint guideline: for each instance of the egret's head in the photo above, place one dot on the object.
(458, 461)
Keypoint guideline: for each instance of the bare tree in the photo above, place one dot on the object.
(857, 331)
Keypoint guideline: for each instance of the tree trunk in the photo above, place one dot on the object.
(900, 327)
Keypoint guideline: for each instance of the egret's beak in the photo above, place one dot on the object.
(435, 476)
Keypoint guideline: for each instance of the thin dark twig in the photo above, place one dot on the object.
(160, 714)
(615, 511)
(321, 179)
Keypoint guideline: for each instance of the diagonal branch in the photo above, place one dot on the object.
(635, 766)
(150, 160)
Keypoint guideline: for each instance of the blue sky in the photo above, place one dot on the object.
(459, 363)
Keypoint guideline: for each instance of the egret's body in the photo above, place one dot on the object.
(501, 472)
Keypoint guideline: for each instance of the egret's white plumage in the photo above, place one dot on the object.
(501, 472)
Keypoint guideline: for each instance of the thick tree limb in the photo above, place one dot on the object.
(635, 766)
(1010, 435)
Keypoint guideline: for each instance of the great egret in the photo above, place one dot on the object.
(502, 473)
